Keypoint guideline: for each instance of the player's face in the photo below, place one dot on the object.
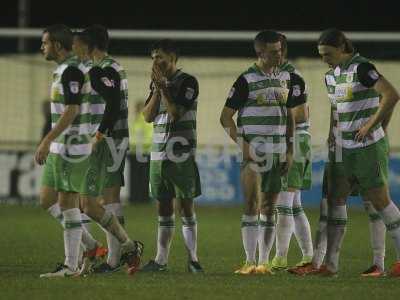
(269, 53)
(47, 47)
(330, 55)
(79, 48)
(163, 60)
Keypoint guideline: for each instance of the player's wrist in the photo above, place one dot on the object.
(99, 136)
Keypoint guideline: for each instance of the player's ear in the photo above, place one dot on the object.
(57, 46)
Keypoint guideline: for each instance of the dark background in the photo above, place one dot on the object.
(214, 15)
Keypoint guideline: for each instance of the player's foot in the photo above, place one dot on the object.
(247, 269)
(323, 271)
(307, 269)
(131, 254)
(306, 260)
(279, 263)
(264, 269)
(152, 266)
(105, 268)
(373, 271)
(91, 258)
(395, 270)
(194, 267)
(60, 271)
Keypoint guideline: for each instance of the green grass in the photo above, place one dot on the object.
(31, 243)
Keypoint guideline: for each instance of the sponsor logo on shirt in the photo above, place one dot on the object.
(189, 93)
(107, 82)
(373, 75)
(296, 90)
(74, 87)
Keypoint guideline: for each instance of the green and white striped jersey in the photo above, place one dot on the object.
(97, 104)
(304, 127)
(262, 116)
(75, 140)
(353, 103)
(120, 130)
(175, 138)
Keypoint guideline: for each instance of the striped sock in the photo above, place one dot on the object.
(114, 246)
(266, 237)
(302, 230)
(250, 237)
(391, 216)
(320, 243)
(72, 237)
(377, 231)
(285, 223)
(336, 229)
(166, 229)
(85, 221)
(55, 212)
(189, 232)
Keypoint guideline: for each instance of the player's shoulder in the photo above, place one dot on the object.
(110, 62)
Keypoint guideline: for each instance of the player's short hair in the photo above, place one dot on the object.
(97, 36)
(60, 33)
(335, 38)
(284, 46)
(167, 45)
(267, 36)
(82, 36)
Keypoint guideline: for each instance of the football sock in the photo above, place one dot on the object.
(337, 219)
(114, 246)
(391, 216)
(189, 232)
(320, 243)
(378, 235)
(302, 230)
(166, 229)
(266, 237)
(285, 223)
(250, 237)
(72, 237)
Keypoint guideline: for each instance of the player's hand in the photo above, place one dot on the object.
(287, 164)
(363, 132)
(42, 151)
(160, 81)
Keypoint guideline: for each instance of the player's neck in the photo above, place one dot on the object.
(266, 68)
(171, 72)
(62, 56)
(98, 55)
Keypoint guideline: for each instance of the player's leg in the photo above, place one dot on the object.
(320, 242)
(390, 215)
(162, 191)
(249, 180)
(284, 227)
(302, 230)
(185, 180)
(69, 204)
(272, 183)
(377, 230)
(371, 169)
(189, 232)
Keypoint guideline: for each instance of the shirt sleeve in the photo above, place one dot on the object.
(72, 80)
(188, 92)
(106, 82)
(238, 94)
(367, 74)
(297, 91)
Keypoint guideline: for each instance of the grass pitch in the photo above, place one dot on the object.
(31, 243)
